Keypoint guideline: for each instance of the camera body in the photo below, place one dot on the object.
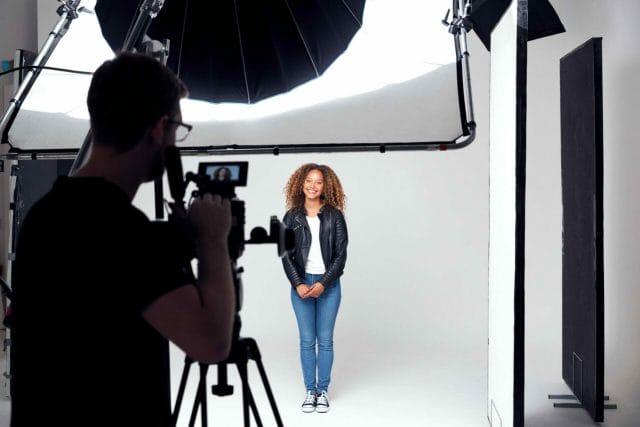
(219, 178)
(222, 178)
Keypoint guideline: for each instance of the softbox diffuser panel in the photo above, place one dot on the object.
(419, 105)
(507, 127)
(582, 225)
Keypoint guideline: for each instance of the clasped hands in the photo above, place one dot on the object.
(313, 291)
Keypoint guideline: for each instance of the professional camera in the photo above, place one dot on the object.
(222, 178)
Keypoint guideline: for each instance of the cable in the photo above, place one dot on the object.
(32, 67)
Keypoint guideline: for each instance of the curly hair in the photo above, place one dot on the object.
(332, 194)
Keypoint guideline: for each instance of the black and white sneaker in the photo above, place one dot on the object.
(322, 402)
(309, 404)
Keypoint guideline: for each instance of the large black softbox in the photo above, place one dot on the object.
(242, 51)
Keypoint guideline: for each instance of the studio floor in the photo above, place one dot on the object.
(419, 360)
(378, 387)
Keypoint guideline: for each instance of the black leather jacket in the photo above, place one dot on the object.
(333, 245)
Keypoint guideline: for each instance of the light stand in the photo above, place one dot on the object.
(459, 27)
(134, 41)
(68, 11)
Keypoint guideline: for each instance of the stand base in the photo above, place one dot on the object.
(575, 402)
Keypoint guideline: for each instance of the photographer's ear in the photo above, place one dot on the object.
(158, 130)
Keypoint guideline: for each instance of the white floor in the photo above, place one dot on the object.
(378, 388)
(414, 358)
(408, 389)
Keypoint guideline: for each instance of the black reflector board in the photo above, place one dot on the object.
(507, 156)
(34, 179)
(582, 230)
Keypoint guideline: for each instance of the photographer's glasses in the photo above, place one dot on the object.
(182, 132)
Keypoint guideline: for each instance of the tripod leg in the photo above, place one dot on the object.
(254, 409)
(272, 400)
(202, 392)
(242, 370)
(180, 396)
(255, 355)
(194, 410)
(201, 398)
(247, 396)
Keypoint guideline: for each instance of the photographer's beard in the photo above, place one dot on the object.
(157, 164)
(156, 167)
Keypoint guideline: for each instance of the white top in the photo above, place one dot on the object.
(315, 265)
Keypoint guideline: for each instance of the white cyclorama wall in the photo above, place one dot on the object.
(502, 218)
(414, 288)
(416, 104)
(616, 22)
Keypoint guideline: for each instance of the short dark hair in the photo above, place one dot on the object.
(128, 94)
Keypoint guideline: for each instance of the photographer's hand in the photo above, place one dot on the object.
(199, 319)
(211, 218)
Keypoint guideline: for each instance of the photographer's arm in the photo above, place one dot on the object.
(199, 319)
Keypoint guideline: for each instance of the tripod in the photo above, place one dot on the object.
(242, 350)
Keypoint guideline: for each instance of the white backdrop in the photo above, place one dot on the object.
(413, 314)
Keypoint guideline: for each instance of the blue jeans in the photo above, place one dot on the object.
(316, 320)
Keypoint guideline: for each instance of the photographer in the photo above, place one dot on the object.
(98, 292)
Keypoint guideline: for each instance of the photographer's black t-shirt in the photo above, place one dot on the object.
(87, 264)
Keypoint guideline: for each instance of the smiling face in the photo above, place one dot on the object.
(313, 185)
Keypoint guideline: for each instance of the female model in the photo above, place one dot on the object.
(315, 202)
